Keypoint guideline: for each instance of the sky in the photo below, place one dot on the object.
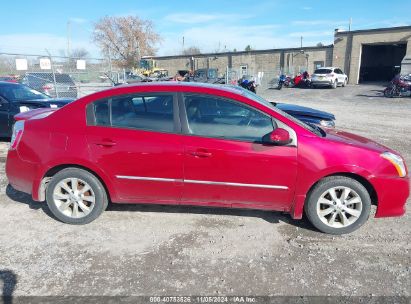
(30, 27)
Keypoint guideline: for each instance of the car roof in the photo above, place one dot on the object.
(182, 85)
(328, 68)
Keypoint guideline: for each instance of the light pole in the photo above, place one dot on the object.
(68, 38)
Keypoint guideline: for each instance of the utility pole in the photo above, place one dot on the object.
(349, 24)
(301, 42)
(183, 46)
(68, 38)
(111, 66)
(68, 44)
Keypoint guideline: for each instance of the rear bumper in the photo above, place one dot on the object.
(392, 195)
(22, 175)
(321, 82)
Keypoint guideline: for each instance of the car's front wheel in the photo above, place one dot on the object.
(75, 196)
(338, 205)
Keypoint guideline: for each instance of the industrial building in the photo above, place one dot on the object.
(364, 55)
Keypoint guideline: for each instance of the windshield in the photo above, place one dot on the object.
(261, 100)
(20, 93)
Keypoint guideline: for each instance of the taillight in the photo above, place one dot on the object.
(330, 75)
(47, 87)
(17, 134)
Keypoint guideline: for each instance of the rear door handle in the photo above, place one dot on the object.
(200, 153)
(105, 143)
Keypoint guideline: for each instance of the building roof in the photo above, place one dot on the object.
(375, 30)
(298, 49)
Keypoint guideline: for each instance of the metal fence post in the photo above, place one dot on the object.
(54, 74)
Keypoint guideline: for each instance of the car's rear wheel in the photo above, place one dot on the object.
(338, 205)
(334, 84)
(75, 196)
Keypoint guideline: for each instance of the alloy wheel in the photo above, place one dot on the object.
(339, 207)
(74, 197)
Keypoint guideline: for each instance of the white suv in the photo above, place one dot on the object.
(329, 76)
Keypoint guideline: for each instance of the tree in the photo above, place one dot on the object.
(320, 44)
(79, 53)
(248, 48)
(192, 50)
(126, 39)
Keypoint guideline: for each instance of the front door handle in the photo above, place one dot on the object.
(200, 153)
(105, 143)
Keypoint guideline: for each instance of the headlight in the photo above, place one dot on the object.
(396, 161)
(327, 123)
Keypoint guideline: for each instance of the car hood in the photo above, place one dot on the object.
(355, 140)
(304, 111)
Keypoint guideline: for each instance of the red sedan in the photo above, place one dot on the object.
(197, 144)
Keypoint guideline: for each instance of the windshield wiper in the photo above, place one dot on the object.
(316, 129)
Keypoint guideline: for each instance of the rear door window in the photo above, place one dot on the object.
(153, 112)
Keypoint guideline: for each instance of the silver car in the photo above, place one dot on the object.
(328, 77)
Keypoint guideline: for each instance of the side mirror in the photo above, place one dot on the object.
(278, 137)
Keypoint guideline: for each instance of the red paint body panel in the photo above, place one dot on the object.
(63, 139)
(239, 162)
(143, 154)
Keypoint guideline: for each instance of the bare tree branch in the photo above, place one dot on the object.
(192, 50)
(126, 39)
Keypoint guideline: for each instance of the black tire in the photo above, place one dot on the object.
(101, 200)
(280, 86)
(388, 92)
(334, 85)
(310, 206)
(344, 83)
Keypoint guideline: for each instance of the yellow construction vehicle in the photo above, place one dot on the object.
(147, 66)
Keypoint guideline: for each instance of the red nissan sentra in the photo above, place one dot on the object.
(208, 145)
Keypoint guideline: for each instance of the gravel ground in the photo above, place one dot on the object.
(158, 250)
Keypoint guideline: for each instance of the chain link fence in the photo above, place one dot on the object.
(265, 78)
(57, 76)
(68, 77)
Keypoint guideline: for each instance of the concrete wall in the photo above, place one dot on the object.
(406, 62)
(267, 61)
(348, 47)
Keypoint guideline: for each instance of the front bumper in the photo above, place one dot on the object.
(392, 195)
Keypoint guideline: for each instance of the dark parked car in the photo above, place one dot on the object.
(308, 115)
(16, 98)
(207, 76)
(59, 85)
(305, 114)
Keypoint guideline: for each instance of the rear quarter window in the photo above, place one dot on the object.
(323, 71)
